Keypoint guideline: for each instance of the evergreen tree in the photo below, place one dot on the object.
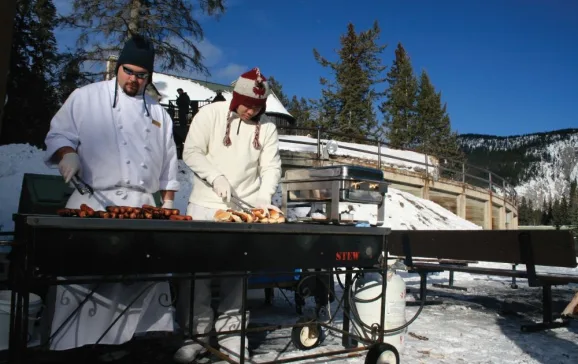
(32, 99)
(346, 104)
(433, 134)
(277, 89)
(525, 213)
(300, 109)
(557, 214)
(545, 216)
(399, 109)
(171, 24)
(69, 75)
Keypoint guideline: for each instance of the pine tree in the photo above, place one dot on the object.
(300, 109)
(433, 134)
(399, 109)
(545, 218)
(32, 99)
(523, 216)
(277, 89)
(69, 75)
(346, 104)
(557, 214)
(573, 206)
(171, 24)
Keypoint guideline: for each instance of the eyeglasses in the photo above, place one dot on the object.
(140, 75)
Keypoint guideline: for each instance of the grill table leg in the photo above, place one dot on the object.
(191, 304)
(383, 300)
(243, 317)
(345, 339)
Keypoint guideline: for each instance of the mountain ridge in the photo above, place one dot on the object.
(540, 165)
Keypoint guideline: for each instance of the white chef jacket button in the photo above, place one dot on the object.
(120, 126)
(126, 181)
(124, 143)
(127, 162)
(147, 130)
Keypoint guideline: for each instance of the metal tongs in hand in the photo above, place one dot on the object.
(243, 205)
(81, 186)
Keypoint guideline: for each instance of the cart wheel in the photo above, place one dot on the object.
(306, 337)
(382, 354)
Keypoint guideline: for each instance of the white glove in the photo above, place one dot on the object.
(69, 166)
(168, 204)
(222, 188)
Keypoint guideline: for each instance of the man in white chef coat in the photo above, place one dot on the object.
(120, 141)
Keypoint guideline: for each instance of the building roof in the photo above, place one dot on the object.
(166, 86)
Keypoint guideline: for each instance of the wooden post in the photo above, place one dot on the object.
(7, 14)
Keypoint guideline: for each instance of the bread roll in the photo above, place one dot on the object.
(222, 216)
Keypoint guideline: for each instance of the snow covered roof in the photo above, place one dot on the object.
(167, 86)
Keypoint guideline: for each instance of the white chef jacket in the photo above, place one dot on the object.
(118, 147)
(126, 156)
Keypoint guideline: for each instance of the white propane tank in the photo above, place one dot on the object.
(368, 286)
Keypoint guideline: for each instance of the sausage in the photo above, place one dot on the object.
(85, 207)
(63, 212)
(180, 217)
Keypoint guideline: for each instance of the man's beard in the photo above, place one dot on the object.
(131, 91)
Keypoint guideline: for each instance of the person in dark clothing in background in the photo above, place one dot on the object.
(219, 97)
(183, 102)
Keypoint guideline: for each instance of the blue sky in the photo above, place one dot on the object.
(504, 67)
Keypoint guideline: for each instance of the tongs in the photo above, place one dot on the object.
(81, 186)
(243, 205)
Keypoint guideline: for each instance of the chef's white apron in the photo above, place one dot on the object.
(152, 311)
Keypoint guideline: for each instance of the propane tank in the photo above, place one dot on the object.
(366, 307)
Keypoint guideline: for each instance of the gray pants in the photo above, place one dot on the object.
(230, 298)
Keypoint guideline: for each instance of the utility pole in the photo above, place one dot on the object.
(7, 14)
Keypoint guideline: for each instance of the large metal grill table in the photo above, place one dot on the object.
(335, 184)
(89, 250)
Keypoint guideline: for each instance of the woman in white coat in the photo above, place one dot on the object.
(235, 148)
(119, 141)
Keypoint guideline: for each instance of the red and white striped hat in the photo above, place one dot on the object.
(251, 89)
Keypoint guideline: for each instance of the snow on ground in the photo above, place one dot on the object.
(477, 326)
(481, 325)
(404, 210)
